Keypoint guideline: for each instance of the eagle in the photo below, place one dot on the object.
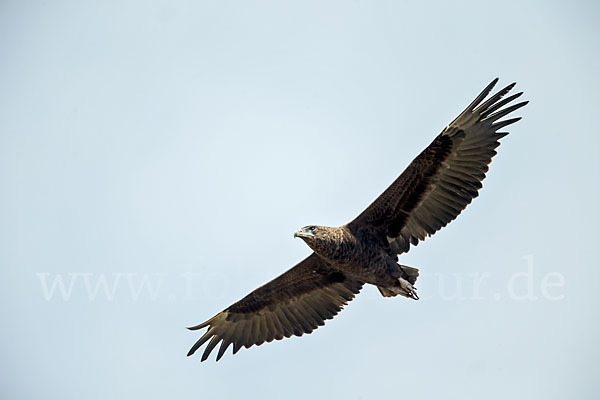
(431, 192)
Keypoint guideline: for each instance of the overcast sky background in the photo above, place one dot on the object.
(171, 149)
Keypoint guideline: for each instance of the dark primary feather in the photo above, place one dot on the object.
(296, 302)
(442, 180)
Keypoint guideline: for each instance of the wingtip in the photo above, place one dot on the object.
(521, 104)
(491, 85)
(200, 326)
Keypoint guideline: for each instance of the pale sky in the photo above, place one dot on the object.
(156, 158)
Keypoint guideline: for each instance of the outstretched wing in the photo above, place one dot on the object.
(445, 177)
(296, 302)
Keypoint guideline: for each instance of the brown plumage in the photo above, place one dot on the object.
(433, 190)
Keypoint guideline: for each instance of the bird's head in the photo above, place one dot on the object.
(309, 233)
(319, 238)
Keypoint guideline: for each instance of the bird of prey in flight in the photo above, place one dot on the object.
(437, 185)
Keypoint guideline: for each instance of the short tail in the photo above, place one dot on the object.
(410, 274)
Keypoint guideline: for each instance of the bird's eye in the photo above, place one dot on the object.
(312, 228)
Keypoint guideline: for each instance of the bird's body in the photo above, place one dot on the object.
(431, 192)
(358, 252)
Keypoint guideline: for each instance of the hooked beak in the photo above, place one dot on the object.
(302, 233)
